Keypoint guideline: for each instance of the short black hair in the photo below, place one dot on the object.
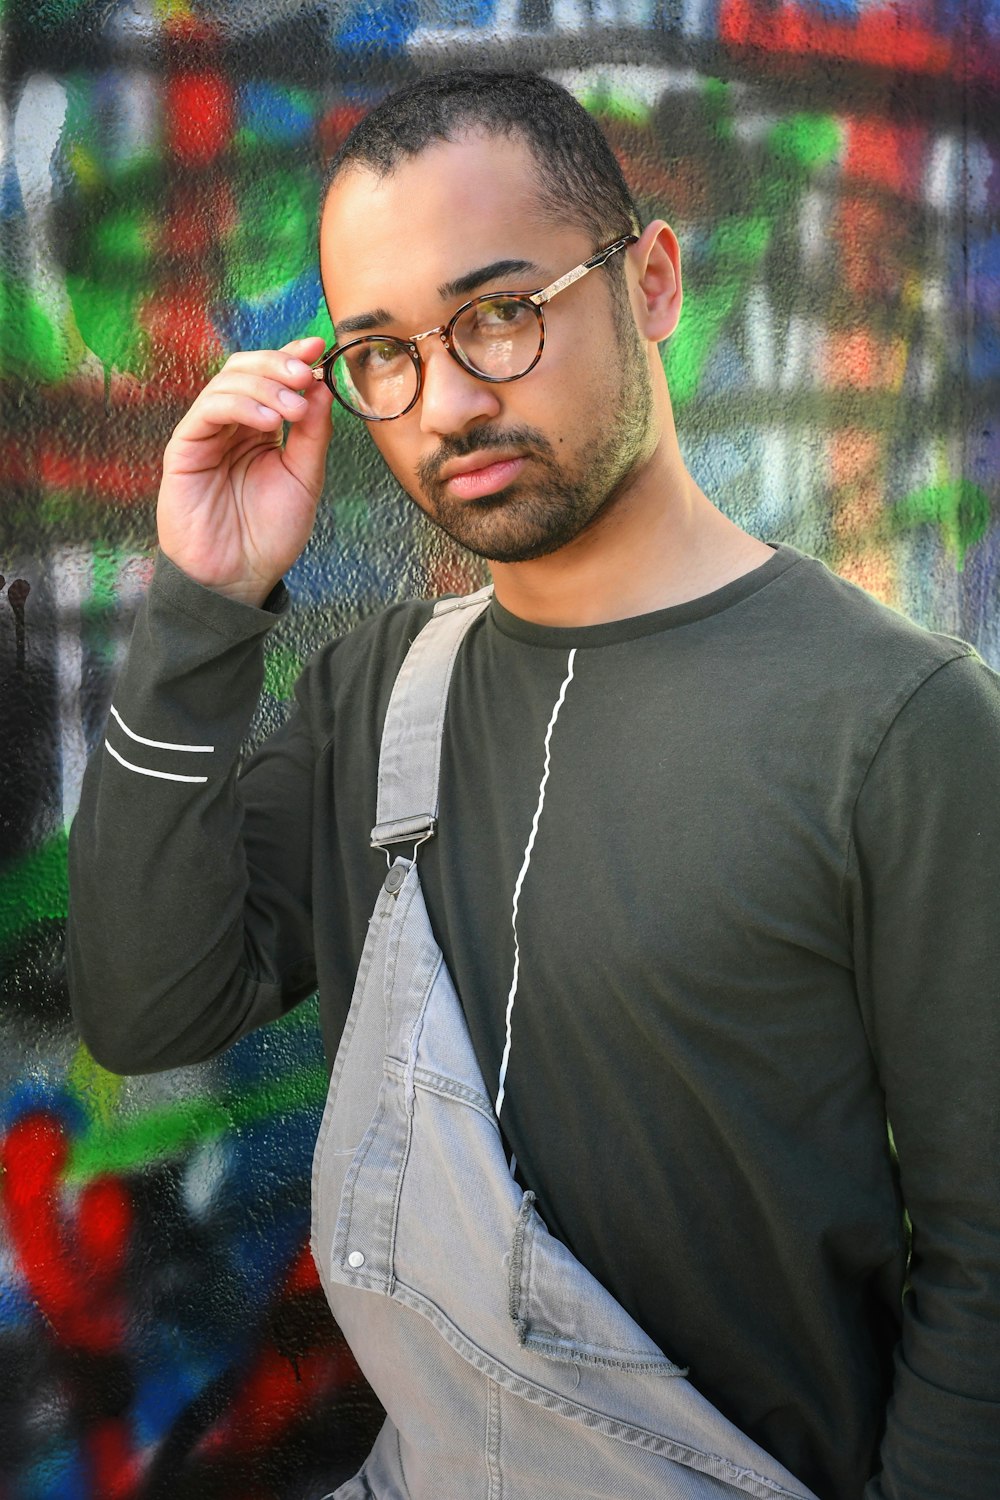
(578, 174)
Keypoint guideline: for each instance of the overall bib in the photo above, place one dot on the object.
(507, 1371)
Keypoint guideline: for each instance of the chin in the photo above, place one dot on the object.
(497, 532)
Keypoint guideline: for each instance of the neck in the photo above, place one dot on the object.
(659, 541)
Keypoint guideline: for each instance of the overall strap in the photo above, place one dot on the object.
(410, 757)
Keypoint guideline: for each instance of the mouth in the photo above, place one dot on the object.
(475, 478)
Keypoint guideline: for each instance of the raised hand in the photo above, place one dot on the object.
(236, 505)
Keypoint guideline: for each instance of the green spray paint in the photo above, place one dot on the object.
(808, 141)
(98, 609)
(37, 344)
(281, 670)
(274, 238)
(798, 148)
(319, 326)
(126, 1145)
(112, 271)
(960, 508)
(96, 1089)
(33, 888)
(106, 564)
(615, 104)
(107, 316)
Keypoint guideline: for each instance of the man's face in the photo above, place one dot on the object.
(515, 470)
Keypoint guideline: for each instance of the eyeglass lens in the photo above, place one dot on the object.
(497, 337)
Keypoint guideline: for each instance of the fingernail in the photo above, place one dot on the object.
(290, 398)
(298, 368)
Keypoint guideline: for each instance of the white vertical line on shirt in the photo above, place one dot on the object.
(523, 872)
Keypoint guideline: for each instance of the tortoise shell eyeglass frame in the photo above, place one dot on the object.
(323, 368)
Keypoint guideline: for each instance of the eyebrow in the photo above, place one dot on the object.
(462, 286)
(363, 322)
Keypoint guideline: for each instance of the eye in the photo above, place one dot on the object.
(378, 353)
(376, 356)
(501, 314)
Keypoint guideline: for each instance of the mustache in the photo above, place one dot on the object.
(485, 438)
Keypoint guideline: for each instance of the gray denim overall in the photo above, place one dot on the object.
(507, 1371)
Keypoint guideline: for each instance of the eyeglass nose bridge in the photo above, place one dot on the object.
(441, 329)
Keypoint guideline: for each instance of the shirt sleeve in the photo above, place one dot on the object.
(924, 893)
(189, 917)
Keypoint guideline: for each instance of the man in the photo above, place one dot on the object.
(713, 870)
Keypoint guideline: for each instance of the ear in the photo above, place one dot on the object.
(657, 297)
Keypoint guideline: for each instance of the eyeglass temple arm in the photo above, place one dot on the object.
(563, 282)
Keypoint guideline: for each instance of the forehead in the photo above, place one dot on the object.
(455, 206)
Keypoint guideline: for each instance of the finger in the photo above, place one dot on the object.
(217, 410)
(309, 438)
(302, 351)
(307, 349)
(275, 364)
(280, 397)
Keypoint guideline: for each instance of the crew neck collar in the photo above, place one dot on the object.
(673, 615)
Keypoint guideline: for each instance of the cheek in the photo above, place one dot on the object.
(576, 366)
(569, 397)
(399, 448)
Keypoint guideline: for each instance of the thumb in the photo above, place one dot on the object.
(309, 438)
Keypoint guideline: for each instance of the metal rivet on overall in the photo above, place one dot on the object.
(394, 879)
(355, 1260)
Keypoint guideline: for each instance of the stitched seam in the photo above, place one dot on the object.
(495, 1478)
(554, 1346)
(562, 1346)
(514, 1281)
(443, 696)
(565, 1341)
(350, 1184)
(484, 1110)
(408, 1114)
(399, 1459)
(530, 1214)
(845, 869)
(623, 1431)
(382, 910)
(409, 1071)
(392, 956)
(439, 710)
(439, 1083)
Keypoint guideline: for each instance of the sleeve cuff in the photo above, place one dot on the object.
(229, 618)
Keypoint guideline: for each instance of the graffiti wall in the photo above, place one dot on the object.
(832, 168)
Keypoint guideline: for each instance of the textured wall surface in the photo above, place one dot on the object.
(833, 170)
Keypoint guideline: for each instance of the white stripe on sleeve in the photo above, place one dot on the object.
(145, 770)
(160, 744)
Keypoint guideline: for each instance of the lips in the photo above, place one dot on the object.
(471, 478)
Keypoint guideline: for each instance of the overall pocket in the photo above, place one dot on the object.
(564, 1313)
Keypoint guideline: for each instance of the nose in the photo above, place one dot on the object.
(452, 399)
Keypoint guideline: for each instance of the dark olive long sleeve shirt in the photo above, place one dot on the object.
(760, 916)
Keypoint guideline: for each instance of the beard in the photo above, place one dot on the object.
(549, 503)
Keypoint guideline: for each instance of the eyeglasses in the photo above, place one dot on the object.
(496, 337)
